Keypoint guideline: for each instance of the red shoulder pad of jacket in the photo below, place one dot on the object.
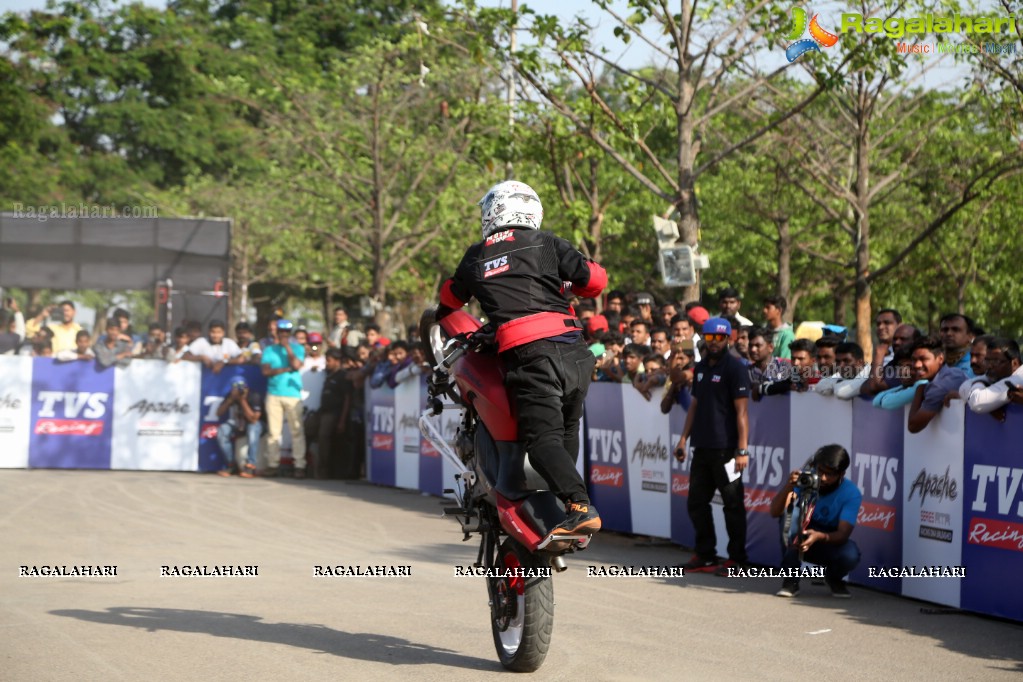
(598, 280)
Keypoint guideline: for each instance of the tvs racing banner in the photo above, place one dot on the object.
(380, 423)
(993, 518)
(157, 410)
(877, 469)
(71, 414)
(933, 505)
(771, 431)
(15, 410)
(605, 447)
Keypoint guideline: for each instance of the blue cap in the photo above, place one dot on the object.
(717, 325)
(284, 325)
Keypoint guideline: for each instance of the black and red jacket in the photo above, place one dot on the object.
(517, 275)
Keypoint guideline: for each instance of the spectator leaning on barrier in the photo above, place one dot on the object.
(680, 377)
(991, 392)
(897, 397)
(281, 364)
(850, 373)
(215, 351)
(114, 349)
(978, 355)
(804, 364)
(330, 419)
(64, 332)
(929, 364)
(884, 374)
(81, 351)
(244, 410)
(718, 423)
(825, 540)
(180, 345)
(246, 340)
(886, 322)
(774, 309)
(956, 333)
(826, 362)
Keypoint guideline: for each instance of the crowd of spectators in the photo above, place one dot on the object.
(636, 340)
(326, 443)
(646, 344)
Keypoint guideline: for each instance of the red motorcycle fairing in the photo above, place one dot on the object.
(480, 380)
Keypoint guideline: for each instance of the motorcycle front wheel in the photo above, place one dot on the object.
(522, 609)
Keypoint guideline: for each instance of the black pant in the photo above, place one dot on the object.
(547, 383)
(326, 438)
(707, 474)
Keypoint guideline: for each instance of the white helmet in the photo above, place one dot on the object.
(510, 204)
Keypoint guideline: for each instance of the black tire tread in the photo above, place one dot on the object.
(538, 622)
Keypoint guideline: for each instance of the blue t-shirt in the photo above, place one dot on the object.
(947, 379)
(841, 504)
(288, 384)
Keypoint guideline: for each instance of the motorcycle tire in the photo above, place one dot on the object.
(522, 614)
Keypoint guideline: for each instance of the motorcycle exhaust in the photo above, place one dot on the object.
(558, 564)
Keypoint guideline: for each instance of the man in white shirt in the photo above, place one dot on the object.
(215, 351)
(730, 301)
(990, 392)
(851, 372)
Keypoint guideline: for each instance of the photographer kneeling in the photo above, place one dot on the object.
(824, 537)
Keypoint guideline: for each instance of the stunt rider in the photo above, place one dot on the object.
(517, 273)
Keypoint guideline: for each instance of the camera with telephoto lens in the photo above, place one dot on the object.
(808, 480)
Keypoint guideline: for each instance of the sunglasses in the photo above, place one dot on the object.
(716, 337)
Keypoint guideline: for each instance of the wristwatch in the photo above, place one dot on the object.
(743, 452)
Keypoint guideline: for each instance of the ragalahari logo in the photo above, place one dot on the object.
(819, 37)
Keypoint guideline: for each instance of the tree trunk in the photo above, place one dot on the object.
(784, 249)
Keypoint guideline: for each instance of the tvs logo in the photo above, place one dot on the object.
(495, 267)
(819, 37)
(91, 407)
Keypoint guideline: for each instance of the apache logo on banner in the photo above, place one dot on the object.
(15, 410)
(933, 506)
(157, 409)
(407, 408)
(993, 519)
(647, 443)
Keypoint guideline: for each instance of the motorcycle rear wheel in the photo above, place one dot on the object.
(522, 611)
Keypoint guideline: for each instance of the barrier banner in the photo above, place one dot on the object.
(647, 442)
(380, 426)
(216, 387)
(157, 410)
(682, 531)
(877, 470)
(15, 410)
(993, 518)
(605, 445)
(72, 414)
(407, 407)
(771, 429)
(933, 504)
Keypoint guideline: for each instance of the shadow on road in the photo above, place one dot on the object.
(356, 645)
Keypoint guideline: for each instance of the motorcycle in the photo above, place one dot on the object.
(497, 494)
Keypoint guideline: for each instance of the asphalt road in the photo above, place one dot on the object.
(287, 624)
